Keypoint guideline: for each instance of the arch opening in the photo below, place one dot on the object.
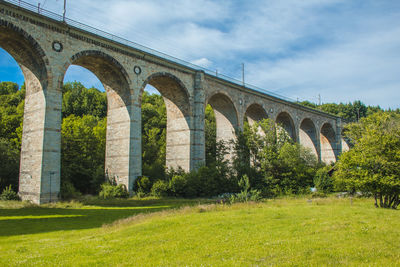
(255, 113)
(178, 133)
(108, 121)
(154, 127)
(12, 95)
(285, 121)
(226, 119)
(308, 136)
(328, 140)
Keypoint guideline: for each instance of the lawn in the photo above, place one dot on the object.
(149, 233)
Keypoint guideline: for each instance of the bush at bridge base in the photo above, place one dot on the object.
(9, 194)
(109, 191)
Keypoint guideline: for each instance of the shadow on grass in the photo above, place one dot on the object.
(94, 213)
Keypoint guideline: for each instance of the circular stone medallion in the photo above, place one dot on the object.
(57, 46)
(137, 70)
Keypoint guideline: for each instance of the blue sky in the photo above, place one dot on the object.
(343, 50)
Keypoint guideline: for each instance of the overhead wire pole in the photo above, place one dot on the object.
(65, 9)
(243, 74)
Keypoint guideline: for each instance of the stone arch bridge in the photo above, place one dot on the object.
(44, 47)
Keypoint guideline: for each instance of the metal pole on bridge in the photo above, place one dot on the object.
(243, 74)
(65, 9)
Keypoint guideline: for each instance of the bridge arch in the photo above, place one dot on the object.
(255, 113)
(308, 136)
(41, 125)
(120, 146)
(328, 143)
(226, 116)
(286, 122)
(28, 53)
(177, 102)
(109, 71)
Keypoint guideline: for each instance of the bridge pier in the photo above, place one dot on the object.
(41, 144)
(197, 149)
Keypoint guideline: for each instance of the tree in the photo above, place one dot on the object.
(350, 112)
(272, 161)
(11, 112)
(80, 101)
(154, 123)
(210, 128)
(372, 166)
(9, 164)
(83, 152)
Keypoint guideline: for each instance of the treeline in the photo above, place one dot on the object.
(350, 112)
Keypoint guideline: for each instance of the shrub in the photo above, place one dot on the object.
(109, 191)
(68, 191)
(323, 181)
(319, 195)
(177, 185)
(160, 189)
(245, 194)
(143, 184)
(9, 194)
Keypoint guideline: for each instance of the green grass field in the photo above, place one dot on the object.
(281, 232)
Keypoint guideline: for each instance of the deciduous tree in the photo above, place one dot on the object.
(373, 164)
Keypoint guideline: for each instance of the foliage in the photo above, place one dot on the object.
(274, 164)
(154, 118)
(109, 191)
(79, 101)
(210, 128)
(143, 184)
(83, 152)
(246, 194)
(178, 185)
(323, 181)
(160, 189)
(319, 195)
(9, 164)
(350, 112)
(11, 113)
(68, 191)
(206, 181)
(9, 194)
(373, 164)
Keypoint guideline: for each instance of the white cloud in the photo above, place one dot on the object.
(202, 62)
(365, 68)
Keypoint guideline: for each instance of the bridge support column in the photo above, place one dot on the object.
(338, 145)
(197, 149)
(123, 145)
(39, 179)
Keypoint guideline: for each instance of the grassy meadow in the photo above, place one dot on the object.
(173, 232)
